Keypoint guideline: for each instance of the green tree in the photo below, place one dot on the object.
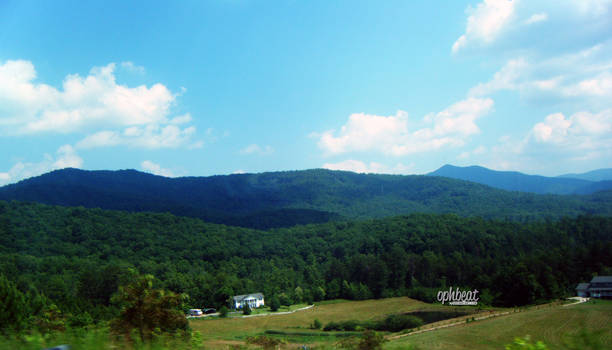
(246, 309)
(13, 308)
(223, 311)
(371, 340)
(274, 303)
(144, 308)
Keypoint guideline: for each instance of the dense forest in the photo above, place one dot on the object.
(72, 259)
(284, 199)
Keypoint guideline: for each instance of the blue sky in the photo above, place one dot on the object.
(217, 87)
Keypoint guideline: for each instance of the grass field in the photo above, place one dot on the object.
(229, 331)
(240, 328)
(551, 325)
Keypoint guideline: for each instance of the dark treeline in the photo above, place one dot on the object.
(286, 199)
(75, 258)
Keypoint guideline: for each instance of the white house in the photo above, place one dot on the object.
(254, 300)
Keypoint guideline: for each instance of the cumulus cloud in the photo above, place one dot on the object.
(156, 169)
(358, 166)
(511, 22)
(582, 130)
(394, 135)
(256, 149)
(65, 157)
(137, 116)
(585, 74)
(557, 141)
(485, 22)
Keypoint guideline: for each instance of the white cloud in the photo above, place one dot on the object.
(582, 130)
(485, 22)
(256, 149)
(149, 137)
(510, 24)
(475, 152)
(599, 85)
(66, 157)
(595, 8)
(557, 142)
(538, 17)
(393, 135)
(506, 78)
(585, 75)
(136, 116)
(131, 67)
(372, 167)
(155, 169)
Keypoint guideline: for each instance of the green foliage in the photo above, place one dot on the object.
(316, 324)
(396, 323)
(246, 309)
(13, 307)
(274, 303)
(526, 344)
(223, 311)
(146, 309)
(264, 341)
(371, 340)
(77, 256)
(285, 199)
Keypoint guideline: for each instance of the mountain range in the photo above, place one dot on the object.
(587, 183)
(280, 199)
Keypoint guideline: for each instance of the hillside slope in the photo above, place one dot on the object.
(279, 199)
(515, 181)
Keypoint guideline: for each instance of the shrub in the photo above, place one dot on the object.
(223, 311)
(246, 309)
(396, 323)
(371, 341)
(316, 324)
(274, 303)
(332, 326)
(264, 341)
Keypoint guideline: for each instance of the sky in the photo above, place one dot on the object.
(199, 88)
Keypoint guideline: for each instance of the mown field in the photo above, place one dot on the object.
(223, 332)
(554, 326)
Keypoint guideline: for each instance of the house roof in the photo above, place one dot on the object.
(244, 296)
(583, 286)
(602, 279)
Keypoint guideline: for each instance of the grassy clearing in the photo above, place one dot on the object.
(240, 328)
(551, 325)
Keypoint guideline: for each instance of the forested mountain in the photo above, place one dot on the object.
(77, 257)
(282, 199)
(594, 175)
(515, 181)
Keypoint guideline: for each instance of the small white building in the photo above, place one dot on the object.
(254, 300)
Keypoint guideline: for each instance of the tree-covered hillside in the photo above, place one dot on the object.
(283, 199)
(77, 257)
(515, 181)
